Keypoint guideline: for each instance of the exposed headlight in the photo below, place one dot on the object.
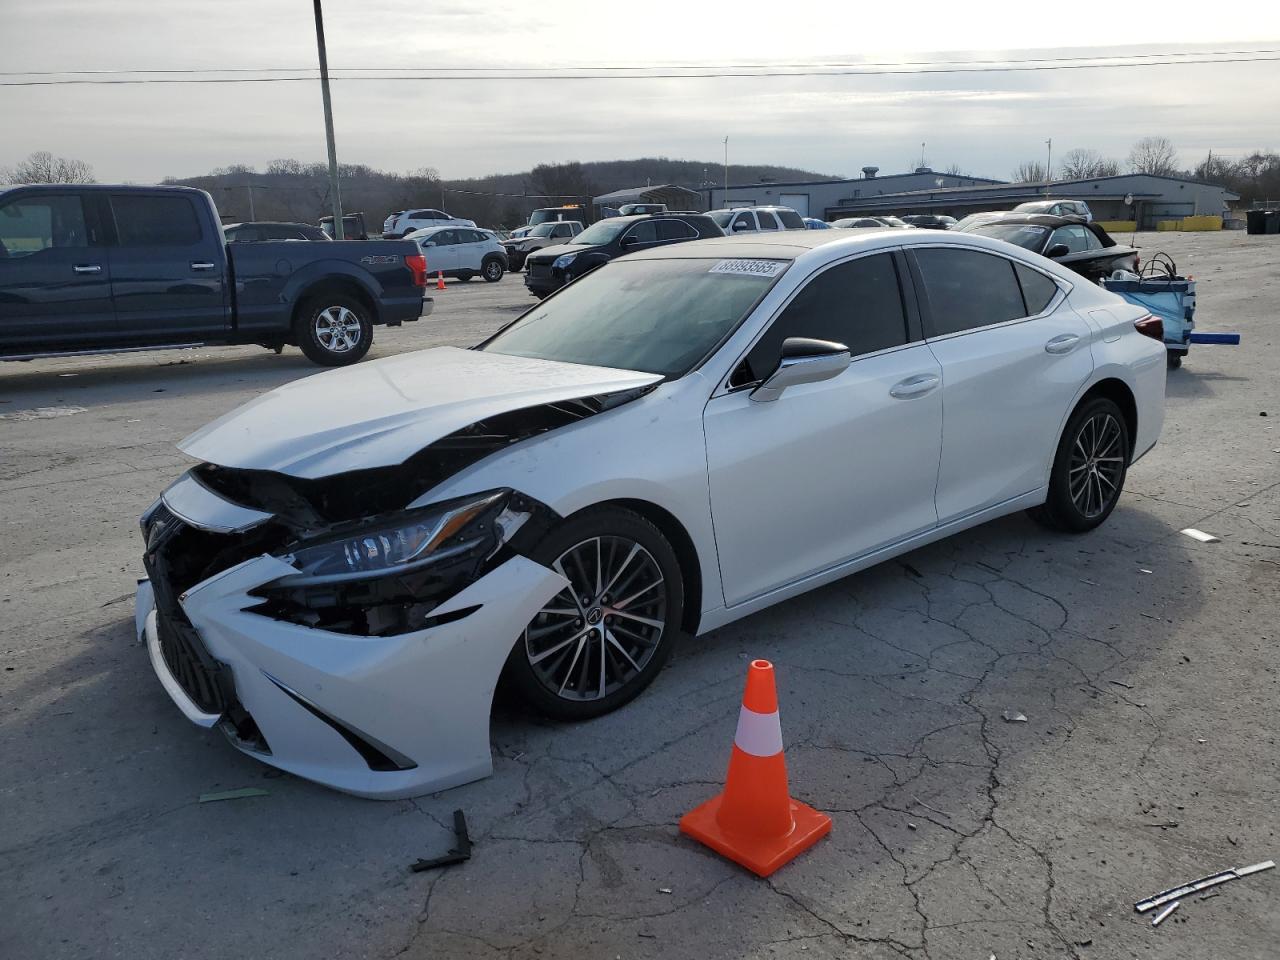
(562, 262)
(414, 540)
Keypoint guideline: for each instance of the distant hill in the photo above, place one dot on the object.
(292, 190)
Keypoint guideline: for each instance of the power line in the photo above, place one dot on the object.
(632, 76)
(761, 65)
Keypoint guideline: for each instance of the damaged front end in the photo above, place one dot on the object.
(330, 628)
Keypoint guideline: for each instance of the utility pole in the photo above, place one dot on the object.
(726, 170)
(334, 193)
(1048, 169)
(249, 187)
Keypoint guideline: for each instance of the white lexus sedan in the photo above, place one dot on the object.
(676, 440)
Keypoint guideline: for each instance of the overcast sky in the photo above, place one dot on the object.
(985, 122)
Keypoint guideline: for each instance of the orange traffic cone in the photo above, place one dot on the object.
(755, 822)
(439, 279)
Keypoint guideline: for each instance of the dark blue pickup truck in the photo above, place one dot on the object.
(100, 269)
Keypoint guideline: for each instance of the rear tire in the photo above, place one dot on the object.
(465, 275)
(1172, 360)
(625, 579)
(1088, 470)
(334, 330)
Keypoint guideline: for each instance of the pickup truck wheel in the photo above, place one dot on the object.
(493, 271)
(334, 330)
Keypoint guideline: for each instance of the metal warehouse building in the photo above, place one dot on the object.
(817, 198)
(1145, 199)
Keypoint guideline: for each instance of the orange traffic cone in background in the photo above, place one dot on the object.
(439, 279)
(755, 822)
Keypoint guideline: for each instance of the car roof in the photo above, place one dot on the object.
(1041, 219)
(818, 247)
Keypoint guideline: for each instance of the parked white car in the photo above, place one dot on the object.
(462, 252)
(403, 222)
(756, 219)
(678, 439)
(1056, 208)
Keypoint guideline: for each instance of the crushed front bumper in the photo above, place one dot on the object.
(381, 717)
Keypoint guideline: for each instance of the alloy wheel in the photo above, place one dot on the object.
(337, 329)
(1097, 463)
(597, 635)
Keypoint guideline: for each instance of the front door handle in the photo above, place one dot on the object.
(916, 386)
(201, 265)
(1063, 343)
(87, 268)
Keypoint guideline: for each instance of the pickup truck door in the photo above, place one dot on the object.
(55, 281)
(168, 269)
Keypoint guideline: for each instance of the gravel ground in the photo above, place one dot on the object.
(1144, 661)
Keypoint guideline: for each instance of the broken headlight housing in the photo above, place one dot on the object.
(387, 575)
(414, 540)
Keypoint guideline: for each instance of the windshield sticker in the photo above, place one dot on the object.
(750, 268)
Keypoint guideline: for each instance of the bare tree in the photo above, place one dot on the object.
(1154, 155)
(955, 170)
(1029, 171)
(43, 167)
(1081, 164)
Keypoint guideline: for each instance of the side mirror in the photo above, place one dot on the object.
(803, 361)
(740, 226)
(1057, 250)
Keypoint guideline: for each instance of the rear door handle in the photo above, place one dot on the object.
(1063, 343)
(916, 386)
(87, 268)
(201, 265)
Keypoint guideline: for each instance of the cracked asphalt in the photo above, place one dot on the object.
(1145, 663)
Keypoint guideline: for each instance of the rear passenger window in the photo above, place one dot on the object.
(1038, 290)
(791, 220)
(766, 220)
(857, 303)
(143, 221)
(675, 230)
(968, 289)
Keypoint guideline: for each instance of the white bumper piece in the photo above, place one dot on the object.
(422, 698)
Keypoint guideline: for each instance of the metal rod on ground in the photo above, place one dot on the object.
(334, 194)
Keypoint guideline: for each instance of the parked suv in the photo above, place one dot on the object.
(550, 268)
(753, 219)
(461, 252)
(404, 222)
(1057, 208)
(543, 235)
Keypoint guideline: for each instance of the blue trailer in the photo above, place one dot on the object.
(1171, 298)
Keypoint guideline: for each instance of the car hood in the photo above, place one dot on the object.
(382, 412)
(550, 253)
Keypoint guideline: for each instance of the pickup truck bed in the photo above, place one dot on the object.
(91, 269)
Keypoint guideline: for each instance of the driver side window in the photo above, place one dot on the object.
(742, 223)
(445, 238)
(643, 232)
(857, 303)
(31, 224)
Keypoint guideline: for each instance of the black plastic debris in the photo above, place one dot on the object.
(459, 854)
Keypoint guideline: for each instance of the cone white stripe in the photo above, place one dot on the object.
(759, 734)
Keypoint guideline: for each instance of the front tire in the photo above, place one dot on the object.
(334, 330)
(600, 642)
(1172, 359)
(1088, 470)
(492, 271)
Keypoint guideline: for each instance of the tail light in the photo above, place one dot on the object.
(417, 264)
(1150, 326)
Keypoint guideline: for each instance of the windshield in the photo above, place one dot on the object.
(721, 217)
(657, 316)
(601, 232)
(1027, 235)
(542, 230)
